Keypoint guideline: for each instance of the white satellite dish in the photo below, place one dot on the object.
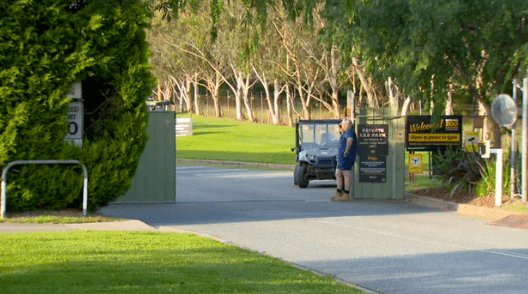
(504, 110)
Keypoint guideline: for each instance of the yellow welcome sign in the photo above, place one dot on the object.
(415, 163)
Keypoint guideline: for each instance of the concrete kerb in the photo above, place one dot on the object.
(466, 209)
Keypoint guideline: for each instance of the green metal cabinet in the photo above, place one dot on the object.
(393, 187)
(155, 178)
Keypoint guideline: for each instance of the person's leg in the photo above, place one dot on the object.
(339, 178)
(345, 196)
(339, 191)
(346, 176)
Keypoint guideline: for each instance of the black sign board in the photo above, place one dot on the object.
(373, 140)
(372, 169)
(421, 137)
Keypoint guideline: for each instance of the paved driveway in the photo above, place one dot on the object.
(389, 247)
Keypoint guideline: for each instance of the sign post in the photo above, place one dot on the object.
(524, 162)
(75, 115)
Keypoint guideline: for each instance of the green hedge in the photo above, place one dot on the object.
(47, 45)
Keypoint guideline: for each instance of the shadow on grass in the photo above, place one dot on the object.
(209, 126)
(203, 270)
(201, 133)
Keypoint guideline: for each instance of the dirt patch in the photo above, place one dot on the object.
(464, 197)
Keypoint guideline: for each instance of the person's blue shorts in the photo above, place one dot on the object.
(345, 163)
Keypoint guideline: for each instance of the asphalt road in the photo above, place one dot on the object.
(385, 246)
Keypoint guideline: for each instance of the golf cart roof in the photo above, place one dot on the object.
(319, 121)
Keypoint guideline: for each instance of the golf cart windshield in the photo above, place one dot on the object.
(319, 136)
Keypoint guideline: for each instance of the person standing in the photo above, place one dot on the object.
(346, 157)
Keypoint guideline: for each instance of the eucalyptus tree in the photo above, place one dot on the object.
(426, 45)
(174, 68)
(304, 73)
(265, 60)
(234, 44)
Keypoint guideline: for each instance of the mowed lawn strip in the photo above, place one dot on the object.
(145, 262)
(225, 139)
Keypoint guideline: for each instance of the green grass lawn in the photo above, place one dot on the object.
(520, 207)
(58, 219)
(145, 262)
(225, 139)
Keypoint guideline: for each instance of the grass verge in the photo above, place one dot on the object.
(519, 207)
(145, 262)
(65, 216)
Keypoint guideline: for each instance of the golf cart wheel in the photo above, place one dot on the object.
(300, 176)
(295, 175)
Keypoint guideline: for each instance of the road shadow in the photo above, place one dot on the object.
(258, 210)
(452, 272)
(209, 195)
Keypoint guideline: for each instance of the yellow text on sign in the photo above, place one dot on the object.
(438, 137)
(415, 163)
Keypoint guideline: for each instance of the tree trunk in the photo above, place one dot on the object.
(405, 106)
(180, 97)
(238, 104)
(213, 85)
(195, 94)
(272, 106)
(277, 90)
(449, 103)
(364, 83)
(244, 84)
(216, 96)
(393, 97)
(289, 104)
(335, 66)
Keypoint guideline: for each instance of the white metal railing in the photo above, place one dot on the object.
(46, 161)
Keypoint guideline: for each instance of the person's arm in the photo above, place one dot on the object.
(349, 143)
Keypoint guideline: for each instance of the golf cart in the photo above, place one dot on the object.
(316, 146)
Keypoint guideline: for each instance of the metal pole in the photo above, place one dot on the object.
(524, 163)
(3, 198)
(512, 152)
(498, 177)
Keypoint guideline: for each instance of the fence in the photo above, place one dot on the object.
(259, 108)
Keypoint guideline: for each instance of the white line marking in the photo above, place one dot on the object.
(517, 255)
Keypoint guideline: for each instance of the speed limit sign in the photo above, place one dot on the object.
(75, 119)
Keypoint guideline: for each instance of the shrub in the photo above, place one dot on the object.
(458, 167)
(47, 45)
(486, 186)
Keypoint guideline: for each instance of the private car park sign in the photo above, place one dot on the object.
(373, 148)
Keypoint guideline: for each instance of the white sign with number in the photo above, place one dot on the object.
(75, 119)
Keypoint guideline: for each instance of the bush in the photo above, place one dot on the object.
(486, 186)
(47, 45)
(459, 168)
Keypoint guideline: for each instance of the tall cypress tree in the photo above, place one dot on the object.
(46, 46)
